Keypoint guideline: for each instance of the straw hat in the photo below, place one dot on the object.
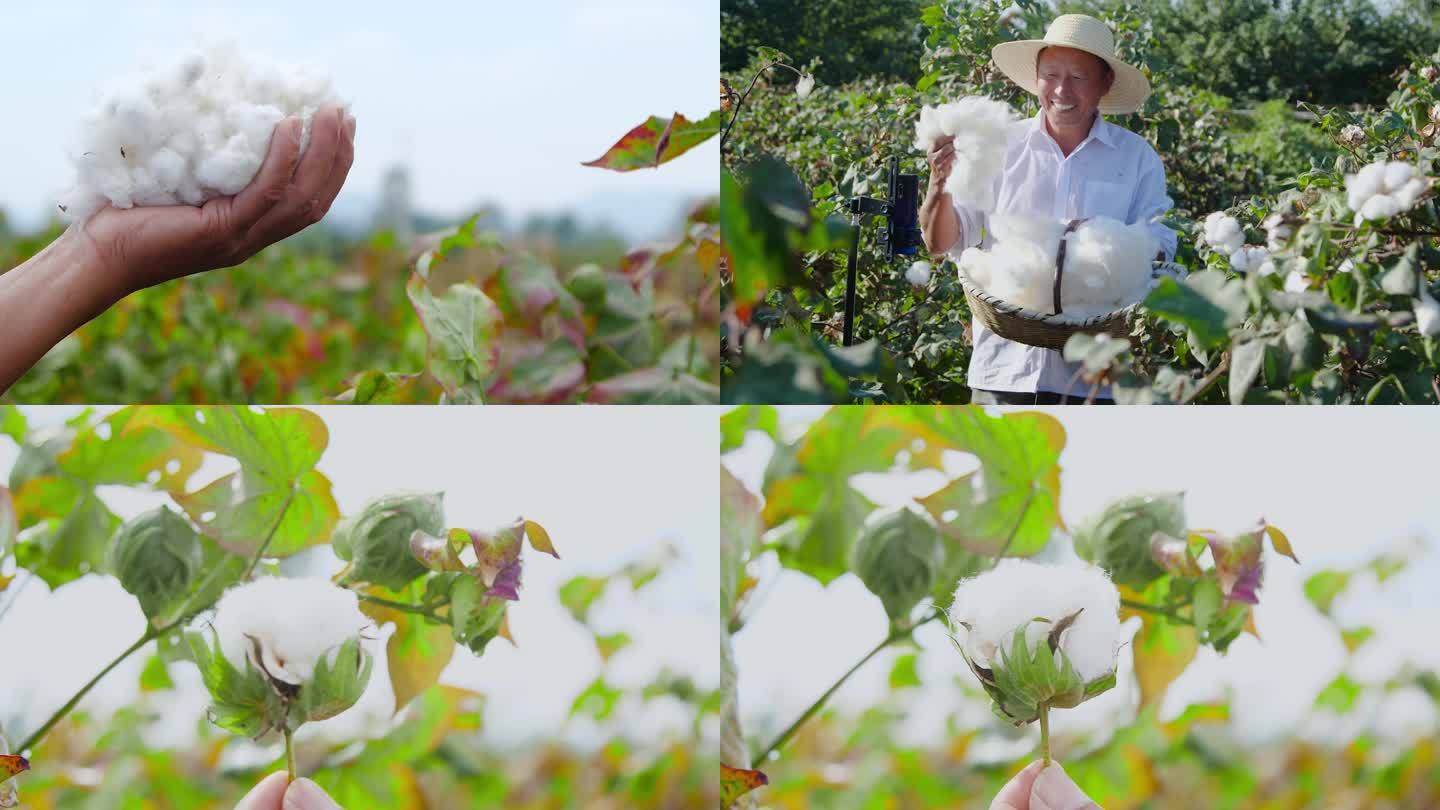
(1083, 33)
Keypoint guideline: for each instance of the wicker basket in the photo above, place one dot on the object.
(1051, 330)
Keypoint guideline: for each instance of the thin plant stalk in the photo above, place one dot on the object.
(1045, 733)
(290, 753)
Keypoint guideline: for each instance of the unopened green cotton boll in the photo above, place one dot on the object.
(898, 557)
(157, 558)
(1118, 539)
(376, 541)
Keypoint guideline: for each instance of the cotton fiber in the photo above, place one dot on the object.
(1383, 189)
(990, 608)
(284, 626)
(1107, 264)
(187, 132)
(981, 128)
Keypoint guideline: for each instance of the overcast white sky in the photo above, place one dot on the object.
(485, 101)
(609, 484)
(1343, 483)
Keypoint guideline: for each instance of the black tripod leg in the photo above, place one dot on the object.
(849, 336)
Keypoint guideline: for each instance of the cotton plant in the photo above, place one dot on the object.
(187, 132)
(282, 652)
(1038, 637)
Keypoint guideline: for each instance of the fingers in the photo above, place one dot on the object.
(343, 161)
(304, 794)
(1053, 790)
(270, 183)
(313, 188)
(266, 795)
(1016, 793)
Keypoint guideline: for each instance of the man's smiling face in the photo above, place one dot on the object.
(1071, 84)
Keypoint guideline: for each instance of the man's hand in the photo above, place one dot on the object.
(938, 223)
(142, 247)
(942, 161)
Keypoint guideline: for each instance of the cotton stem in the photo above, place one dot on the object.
(1045, 733)
(403, 607)
(148, 636)
(290, 753)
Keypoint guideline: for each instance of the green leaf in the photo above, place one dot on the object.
(475, 618)
(903, 672)
(463, 326)
(597, 701)
(739, 421)
(1322, 588)
(658, 140)
(1207, 303)
(1339, 695)
(68, 529)
(1245, 361)
(155, 676)
(579, 593)
(1206, 606)
(1017, 508)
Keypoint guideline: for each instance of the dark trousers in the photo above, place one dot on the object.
(979, 396)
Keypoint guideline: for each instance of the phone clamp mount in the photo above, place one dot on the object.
(901, 237)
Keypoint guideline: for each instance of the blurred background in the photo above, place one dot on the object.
(609, 712)
(1333, 705)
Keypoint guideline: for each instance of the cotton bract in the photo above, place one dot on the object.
(1038, 635)
(1108, 264)
(280, 653)
(1383, 189)
(188, 132)
(981, 129)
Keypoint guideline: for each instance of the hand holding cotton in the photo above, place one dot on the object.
(187, 133)
(980, 127)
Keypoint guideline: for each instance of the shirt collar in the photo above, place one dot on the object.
(1101, 130)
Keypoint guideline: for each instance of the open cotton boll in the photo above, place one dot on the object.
(991, 607)
(1223, 233)
(187, 132)
(981, 127)
(290, 623)
(1248, 258)
(918, 275)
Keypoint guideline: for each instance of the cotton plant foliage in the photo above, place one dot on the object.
(187, 132)
(1108, 264)
(1038, 636)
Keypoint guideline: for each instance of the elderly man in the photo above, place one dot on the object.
(1067, 162)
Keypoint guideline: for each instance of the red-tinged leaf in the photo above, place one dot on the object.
(11, 765)
(736, 782)
(658, 141)
(655, 386)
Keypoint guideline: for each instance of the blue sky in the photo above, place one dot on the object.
(485, 101)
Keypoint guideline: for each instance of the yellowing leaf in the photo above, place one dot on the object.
(417, 652)
(1162, 651)
(540, 539)
(1280, 542)
(736, 782)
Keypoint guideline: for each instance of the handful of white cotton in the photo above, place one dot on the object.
(981, 128)
(187, 132)
(1108, 264)
(1038, 636)
(1384, 189)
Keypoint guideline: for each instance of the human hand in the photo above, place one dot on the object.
(274, 794)
(1042, 788)
(942, 160)
(142, 247)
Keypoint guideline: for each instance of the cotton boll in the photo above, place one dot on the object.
(1397, 173)
(294, 622)
(210, 114)
(1364, 184)
(1296, 282)
(1407, 195)
(1379, 207)
(918, 275)
(1223, 233)
(1427, 312)
(996, 604)
(1248, 257)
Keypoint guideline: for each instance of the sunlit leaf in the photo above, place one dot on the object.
(736, 782)
(658, 140)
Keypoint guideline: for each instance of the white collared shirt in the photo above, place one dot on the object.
(1113, 173)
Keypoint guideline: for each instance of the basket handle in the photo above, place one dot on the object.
(1060, 258)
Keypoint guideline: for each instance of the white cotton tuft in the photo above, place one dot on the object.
(1427, 312)
(295, 622)
(981, 127)
(918, 275)
(1108, 264)
(998, 602)
(1250, 257)
(1296, 282)
(1223, 233)
(1384, 189)
(189, 132)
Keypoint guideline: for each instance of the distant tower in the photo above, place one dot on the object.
(393, 213)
